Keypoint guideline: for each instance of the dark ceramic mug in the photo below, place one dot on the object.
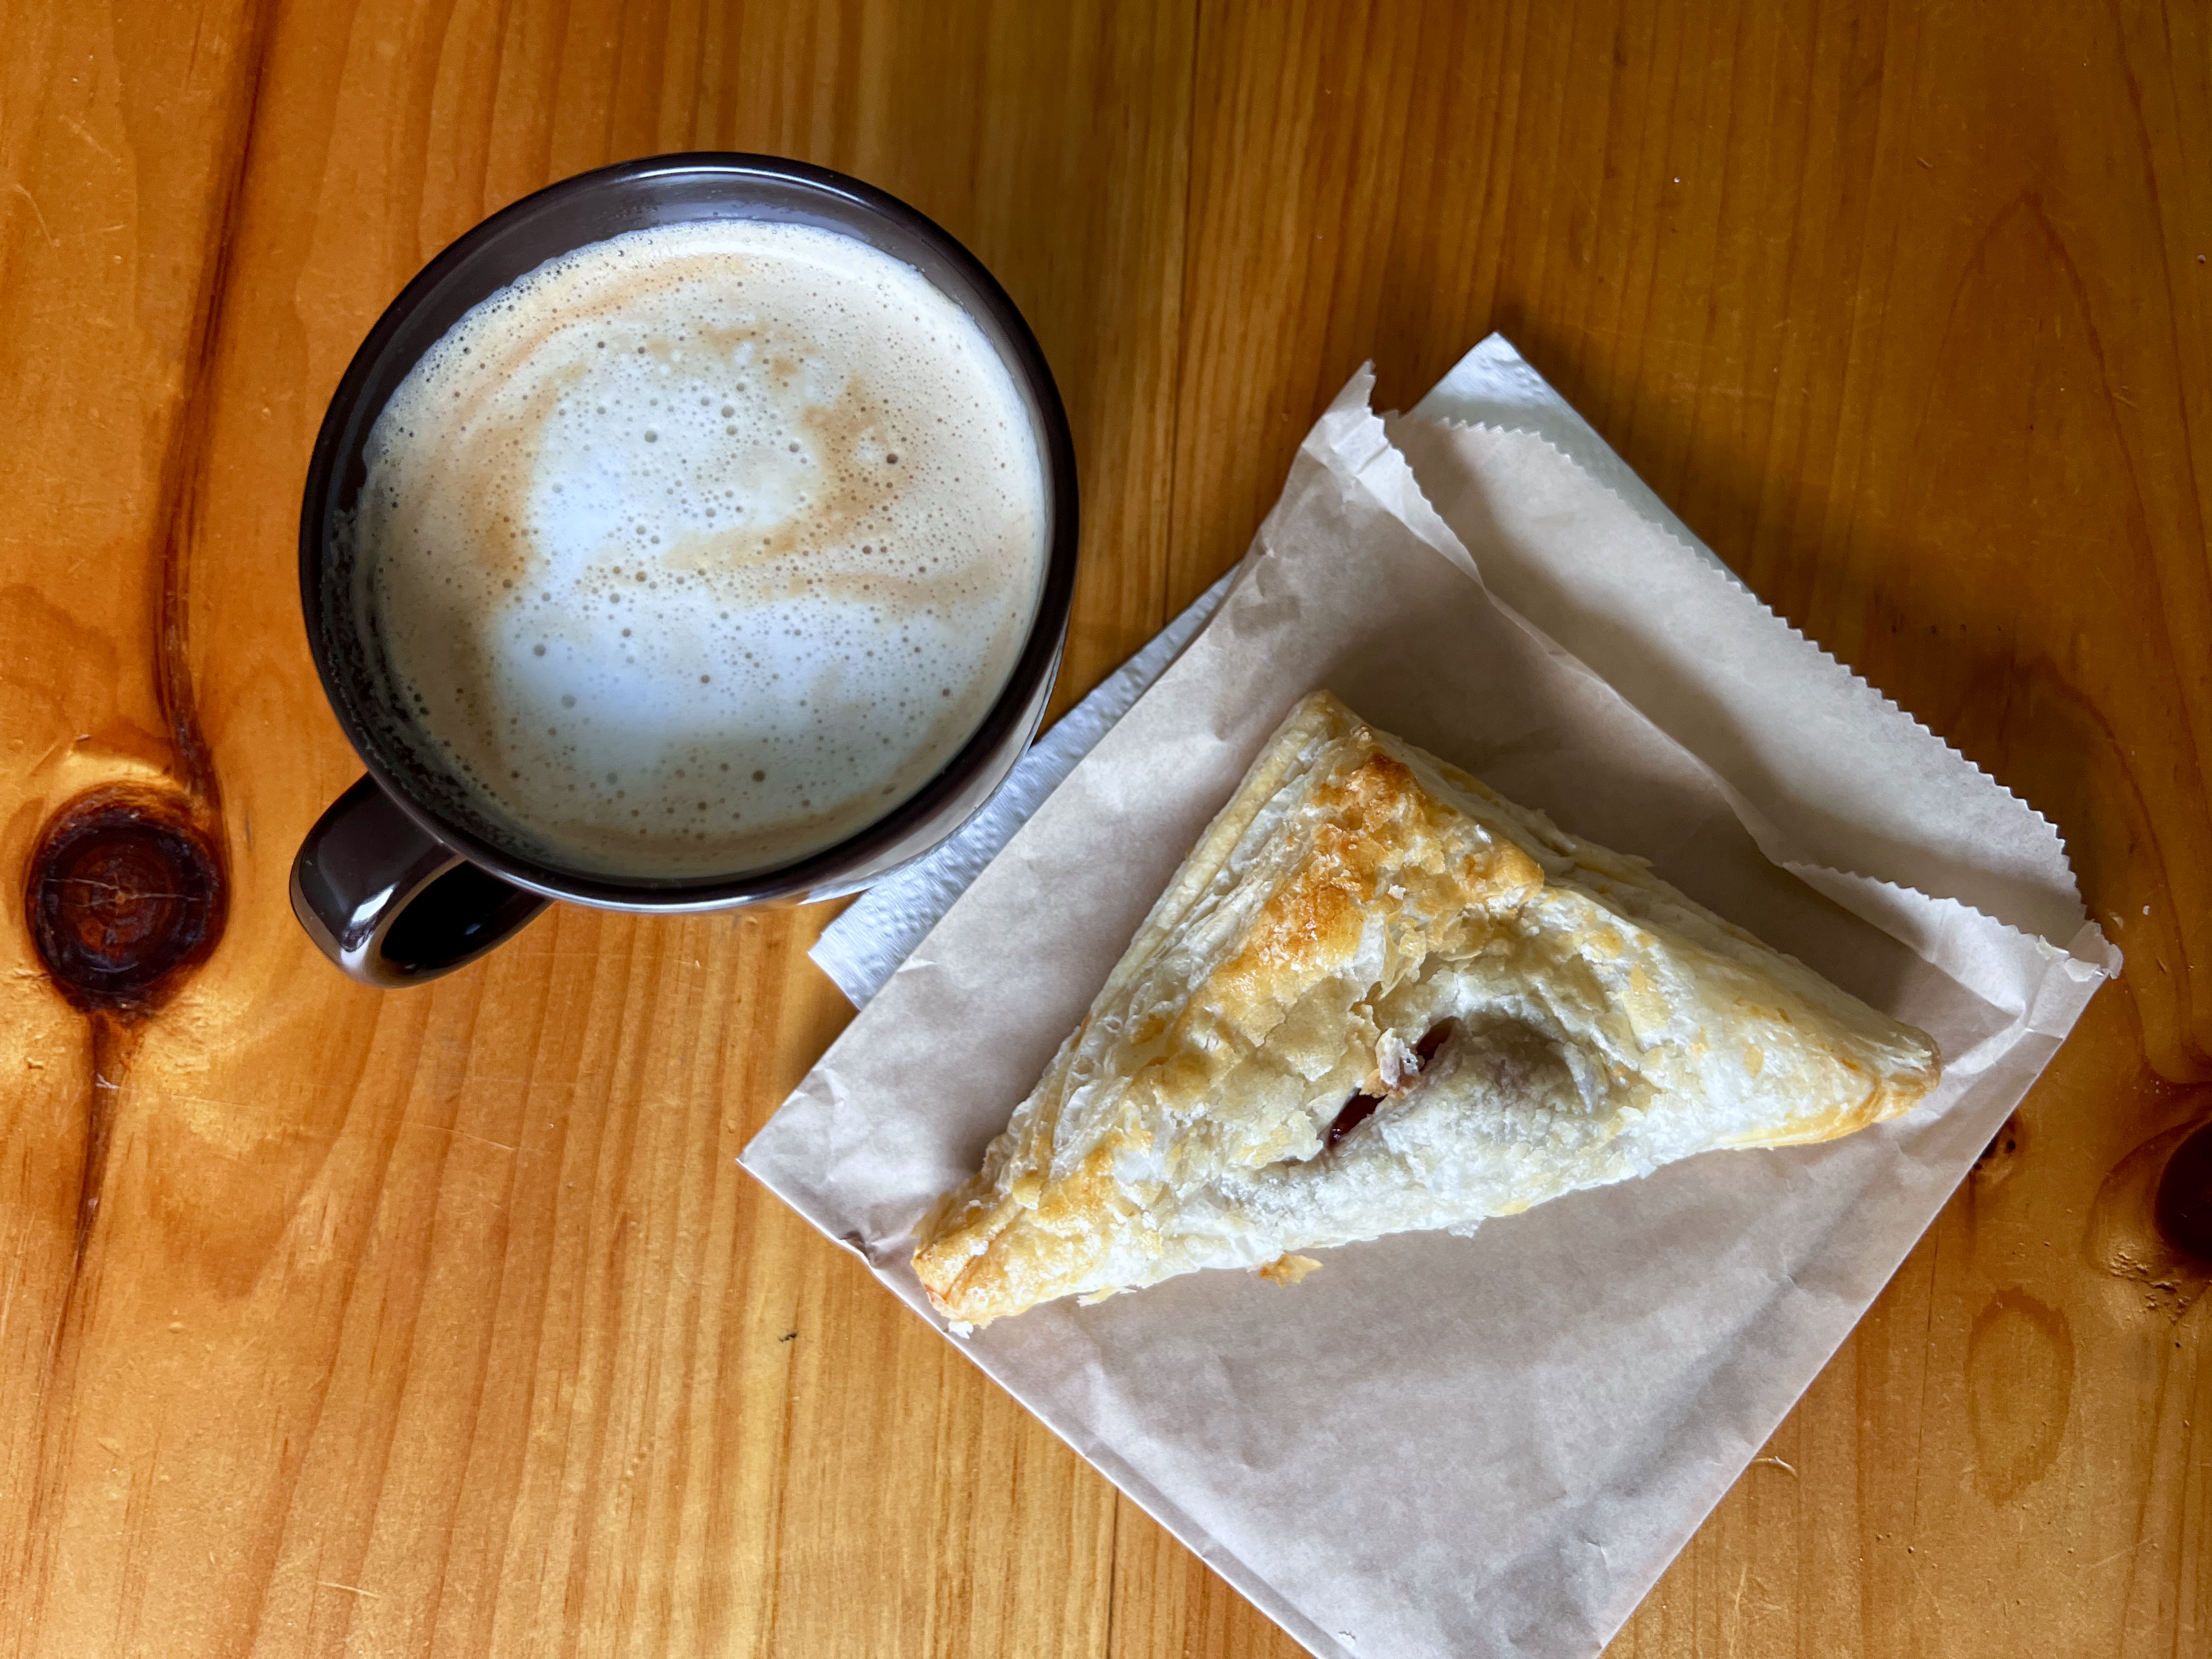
(401, 880)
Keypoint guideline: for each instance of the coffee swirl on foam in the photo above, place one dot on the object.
(697, 550)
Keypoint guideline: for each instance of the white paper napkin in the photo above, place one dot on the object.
(865, 946)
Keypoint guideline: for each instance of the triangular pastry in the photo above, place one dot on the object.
(1378, 998)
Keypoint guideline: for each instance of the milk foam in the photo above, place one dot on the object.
(698, 550)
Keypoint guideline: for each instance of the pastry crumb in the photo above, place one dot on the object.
(1396, 1062)
(1289, 1269)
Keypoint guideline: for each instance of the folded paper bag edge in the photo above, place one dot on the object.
(1386, 464)
(1553, 423)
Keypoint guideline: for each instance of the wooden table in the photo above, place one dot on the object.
(443, 1323)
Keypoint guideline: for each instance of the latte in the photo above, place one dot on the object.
(697, 550)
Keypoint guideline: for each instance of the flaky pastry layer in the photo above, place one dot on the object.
(1378, 998)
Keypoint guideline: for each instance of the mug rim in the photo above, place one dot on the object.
(1018, 699)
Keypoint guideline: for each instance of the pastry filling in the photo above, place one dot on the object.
(1361, 1107)
(1357, 1110)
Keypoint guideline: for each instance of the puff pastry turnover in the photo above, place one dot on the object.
(1378, 997)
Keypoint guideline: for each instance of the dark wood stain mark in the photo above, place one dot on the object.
(185, 462)
(2020, 1380)
(1997, 1159)
(111, 1044)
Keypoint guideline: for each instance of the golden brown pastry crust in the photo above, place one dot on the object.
(1357, 905)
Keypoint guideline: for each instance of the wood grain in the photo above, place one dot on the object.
(443, 1324)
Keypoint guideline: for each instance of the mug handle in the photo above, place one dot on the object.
(391, 905)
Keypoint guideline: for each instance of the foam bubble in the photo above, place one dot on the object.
(697, 550)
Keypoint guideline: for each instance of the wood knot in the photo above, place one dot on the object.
(125, 894)
(2182, 1212)
(2151, 1226)
(1998, 1157)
